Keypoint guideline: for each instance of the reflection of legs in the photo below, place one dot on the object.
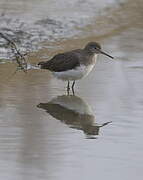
(73, 86)
(68, 86)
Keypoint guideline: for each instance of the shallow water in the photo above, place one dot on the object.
(45, 134)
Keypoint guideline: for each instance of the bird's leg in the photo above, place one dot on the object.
(73, 87)
(68, 87)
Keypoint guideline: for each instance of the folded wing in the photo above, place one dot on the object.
(61, 62)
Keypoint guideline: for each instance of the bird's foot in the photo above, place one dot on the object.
(68, 90)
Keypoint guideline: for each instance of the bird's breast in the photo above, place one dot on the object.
(87, 69)
(74, 74)
(94, 59)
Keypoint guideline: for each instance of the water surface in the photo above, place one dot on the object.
(96, 134)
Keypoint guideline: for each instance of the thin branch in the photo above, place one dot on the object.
(20, 58)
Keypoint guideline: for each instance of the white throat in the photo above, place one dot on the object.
(95, 58)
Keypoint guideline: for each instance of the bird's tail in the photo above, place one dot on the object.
(42, 65)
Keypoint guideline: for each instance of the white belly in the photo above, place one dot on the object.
(74, 74)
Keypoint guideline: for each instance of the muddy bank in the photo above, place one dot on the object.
(34, 26)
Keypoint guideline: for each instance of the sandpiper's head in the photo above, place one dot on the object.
(95, 48)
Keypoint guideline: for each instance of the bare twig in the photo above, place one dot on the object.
(20, 58)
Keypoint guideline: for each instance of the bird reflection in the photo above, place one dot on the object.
(74, 112)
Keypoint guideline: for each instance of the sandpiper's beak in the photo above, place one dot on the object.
(106, 54)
